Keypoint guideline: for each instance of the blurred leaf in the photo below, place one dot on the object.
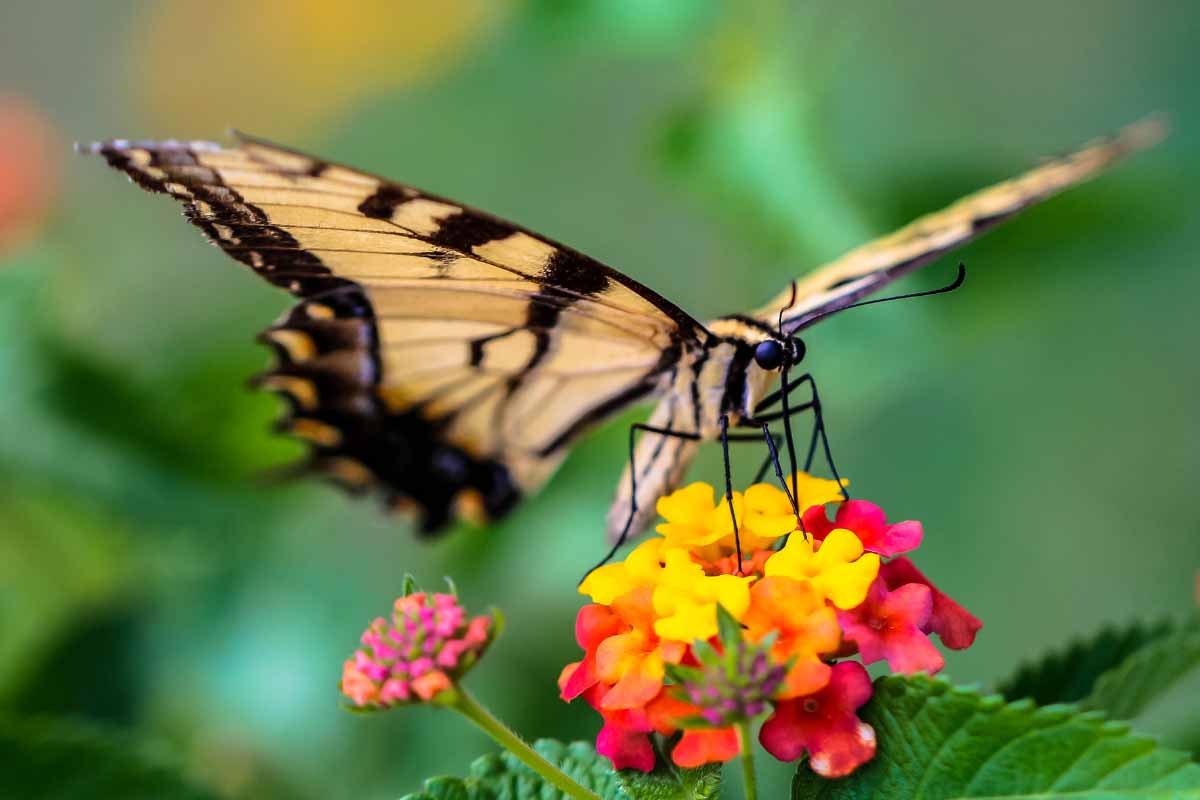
(504, 776)
(624, 25)
(749, 146)
(45, 760)
(936, 740)
(201, 421)
(1068, 675)
(1164, 672)
(58, 558)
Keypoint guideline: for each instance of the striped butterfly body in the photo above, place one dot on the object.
(450, 358)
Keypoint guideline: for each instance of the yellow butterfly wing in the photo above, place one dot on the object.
(438, 352)
(876, 264)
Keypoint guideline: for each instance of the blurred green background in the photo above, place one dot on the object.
(1042, 421)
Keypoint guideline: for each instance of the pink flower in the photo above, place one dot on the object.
(954, 624)
(868, 522)
(626, 747)
(426, 646)
(825, 724)
(889, 625)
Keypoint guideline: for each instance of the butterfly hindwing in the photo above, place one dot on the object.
(438, 352)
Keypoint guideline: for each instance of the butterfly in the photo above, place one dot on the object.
(450, 358)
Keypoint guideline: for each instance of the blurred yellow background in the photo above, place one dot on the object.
(1042, 421)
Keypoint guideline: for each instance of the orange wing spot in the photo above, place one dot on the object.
(469, 506)
(405, 507)
(348, 471)
(302, 390)
(316, 432)
(318, 311)
(298, 345)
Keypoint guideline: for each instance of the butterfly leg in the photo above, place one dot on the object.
(819, 434)
(773, 457)
(776, 440)
(737, 540)
(819, 429)
(633, 507)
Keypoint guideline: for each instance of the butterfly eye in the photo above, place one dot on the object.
(769, 354)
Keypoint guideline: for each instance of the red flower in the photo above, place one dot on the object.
(625, 737)
(593, 625)
(825, 725)
(889, 625)
(953, 623)
(868, 522)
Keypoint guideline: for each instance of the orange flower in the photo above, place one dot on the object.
(632, 661)
(806, 627)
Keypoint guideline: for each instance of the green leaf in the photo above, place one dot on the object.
(937, 741)
(668, 782)
(729, 630)
(504, 777)
(1067, 675)
(45, 760)
(1149, 675)
(681, 674)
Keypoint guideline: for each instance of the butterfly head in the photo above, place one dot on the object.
(772, 356)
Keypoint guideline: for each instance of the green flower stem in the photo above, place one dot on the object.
(464, 703)
(746, 745)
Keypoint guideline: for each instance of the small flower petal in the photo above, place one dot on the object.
(702, 746)
(868, 522)
(888, 625)
(954, 624)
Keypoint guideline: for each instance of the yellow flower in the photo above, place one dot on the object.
(767, 498)
(642, 567)
(692, 519)
(685, 600)
(769, 514)
(839, 570)
(695, 522)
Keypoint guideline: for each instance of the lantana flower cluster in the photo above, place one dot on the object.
(427, 645)
(807, 595)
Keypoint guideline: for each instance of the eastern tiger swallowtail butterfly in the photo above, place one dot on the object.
(451, 358)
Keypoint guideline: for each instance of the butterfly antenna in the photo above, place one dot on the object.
(950, 287)
(787, 422)
(787, 308)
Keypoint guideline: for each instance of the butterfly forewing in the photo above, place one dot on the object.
(440, 353)
(876, 264)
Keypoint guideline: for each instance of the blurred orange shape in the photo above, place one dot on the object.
(29, 150)
(276, 64)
